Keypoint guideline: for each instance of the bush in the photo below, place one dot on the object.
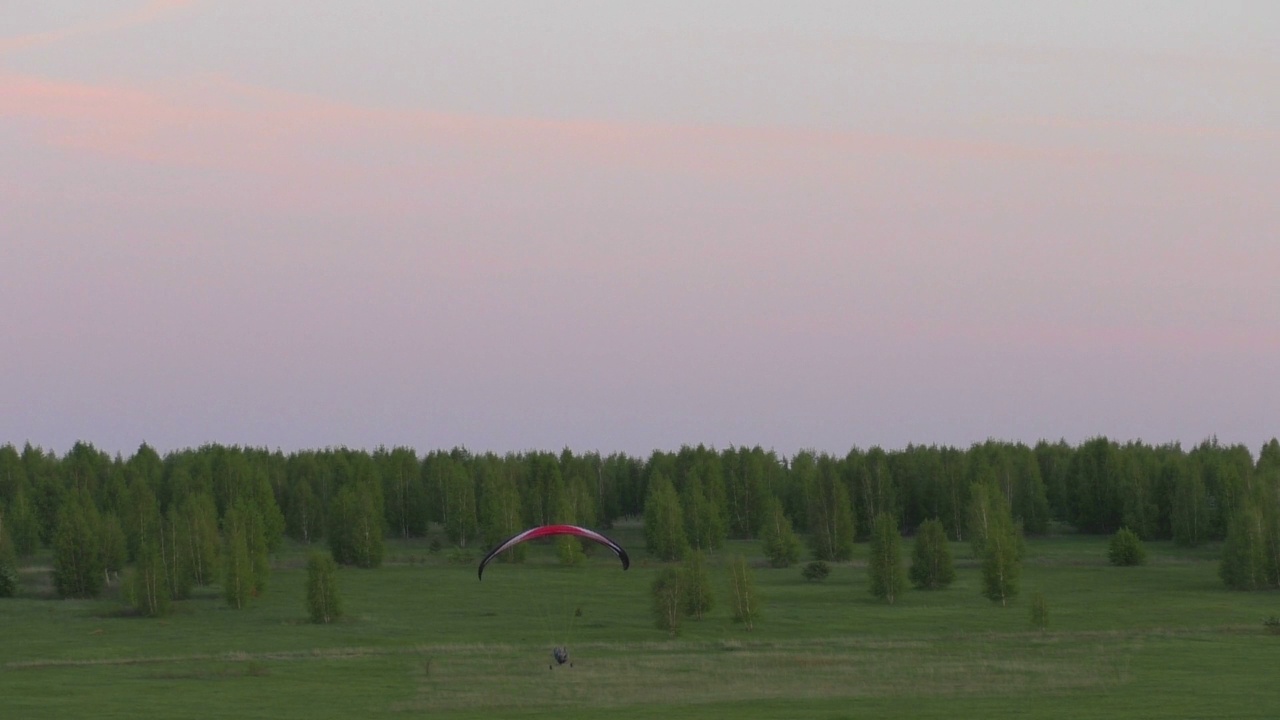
(1272, 625)
(1126, 549)
(816, 571)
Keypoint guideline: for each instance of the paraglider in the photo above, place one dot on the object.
(551, 530)
(560, 653)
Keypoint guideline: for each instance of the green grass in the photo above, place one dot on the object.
(424, 638)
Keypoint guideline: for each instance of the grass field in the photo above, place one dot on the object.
(424, 638)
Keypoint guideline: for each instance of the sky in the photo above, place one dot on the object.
(622, 227)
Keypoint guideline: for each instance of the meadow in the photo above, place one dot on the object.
(423, 637)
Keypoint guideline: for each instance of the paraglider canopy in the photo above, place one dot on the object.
(551, 530)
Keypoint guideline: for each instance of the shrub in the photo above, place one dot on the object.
(1126, 549)
(816, 571)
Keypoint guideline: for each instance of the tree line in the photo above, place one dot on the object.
(212, 514)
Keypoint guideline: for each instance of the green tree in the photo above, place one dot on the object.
(1244, 564)
(664, 521)
(887, 579)
(742, 592)
(581, 488)
(304, 507)
(704, 524)
(931, 563)
(355, 532)
(140, 515)
(1001, 566)
(983, 506)
(246, 517)
(542, 484)
(246, 567)
(404, 495)
(114, 547)
(830, 514)
(13, 478)
(989, 512)
(568, 547)
(745, 487)
(1189, 515)
(237, 584)
(667, 592)
(501, 508)
(997, 543)
(23, 524)
(48, 494)
(150, 593)
(78, 566)
(1126, 549)
(199, 515)
(1015, 472)
(323, 603)
(781, 546)
(459, 505)
(8, 565)
(697, 598)
(172, 545)
(1095, 483)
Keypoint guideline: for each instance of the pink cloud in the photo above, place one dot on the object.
(218, 122)
(143, 15)
(838, 196)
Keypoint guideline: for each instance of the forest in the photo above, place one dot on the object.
(213, 514)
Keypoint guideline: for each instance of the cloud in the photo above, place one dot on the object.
(217, 121)
(143, 15)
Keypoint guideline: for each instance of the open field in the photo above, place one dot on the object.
(424, 638)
